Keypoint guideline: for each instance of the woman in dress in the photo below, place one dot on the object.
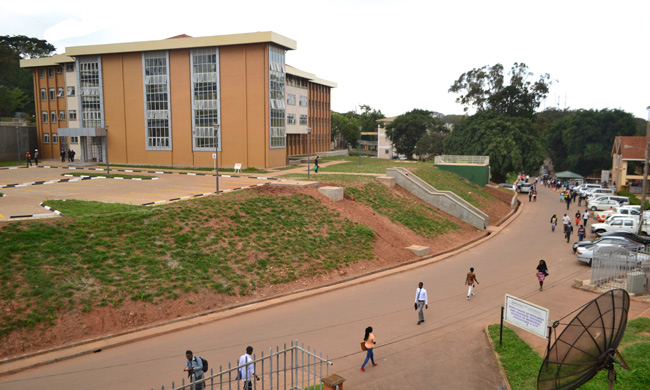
(553, 222)
(542, 273)
(370, 340)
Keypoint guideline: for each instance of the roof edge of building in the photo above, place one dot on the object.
(45, 61)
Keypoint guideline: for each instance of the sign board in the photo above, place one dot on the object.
(214, 155)
(527, 316)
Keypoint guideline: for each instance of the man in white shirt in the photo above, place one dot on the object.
(565, 221)
(421, 301)
(247, 372)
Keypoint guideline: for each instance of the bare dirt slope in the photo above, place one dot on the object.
(389, 250)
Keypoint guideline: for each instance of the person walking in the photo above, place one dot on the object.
(62, 155)
(194, 368)
(582, 232)
(565, 221)
(421, 301)
(370, 342)
(553, 223)
(28, 157)
(316, 164)
(471, 281)
(542, 273)
(585, 217)
(247, 369)
(535, 196)
(578, 215)
(36, 156)
(530, 194)
(569, 230)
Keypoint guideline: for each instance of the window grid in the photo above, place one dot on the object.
(71, 91)
(61, 116)
(291, 99)
(90, 91)
(277, 97)
(44, 116)
(52, 94)
(74, 139)
(53, 116)
(59, 92)
(72, 115)
(205, 98)
(46, 138)
(156, 100)
(291, 119)
(303, 119)
(55, 138)
(59, 70)
(69, 67)
(50, 71)
(43, 94)
(41, 73)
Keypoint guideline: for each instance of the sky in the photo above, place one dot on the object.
(394, 56)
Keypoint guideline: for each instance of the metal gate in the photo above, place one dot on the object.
(617, 267)
(290, 368)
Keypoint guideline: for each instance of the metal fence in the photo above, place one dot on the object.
(290, 368)
(617, 267)
(452, 159)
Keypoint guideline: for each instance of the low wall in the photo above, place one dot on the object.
(444, 200)
(15, 141)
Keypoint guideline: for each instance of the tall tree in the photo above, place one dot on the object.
(368, 117)
(513, 144)
(485, 89)
(582, 142)
(407, 129)
(345, 126)
(12, 76)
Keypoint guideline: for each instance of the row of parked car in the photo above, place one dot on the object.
(631, 242)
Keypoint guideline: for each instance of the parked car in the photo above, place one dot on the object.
(586, 253)
(626, 210)
(629, 224)
(602, 204)
(612, 238)
(508, 186)
(630, 236)
(522, 186)
(596, 192)
(584, 188)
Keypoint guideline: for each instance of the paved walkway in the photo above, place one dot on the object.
(448, 351)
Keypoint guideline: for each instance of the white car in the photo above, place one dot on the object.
(586, 254)
(602, 204)
(629, 224)
(625, 210)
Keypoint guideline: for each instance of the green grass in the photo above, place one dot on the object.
(522, 364)
(447, 181)
(11, 163)
(112, 175)
(333, 180)
(368, 165)
(166, 168)
(107, 254)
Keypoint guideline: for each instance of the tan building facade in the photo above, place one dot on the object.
(169, 102)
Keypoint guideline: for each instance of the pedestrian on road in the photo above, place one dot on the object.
(62, 155)
(421, 301)
(247, 369)
(542, 273)
(470, 281)
(585, 217)
(194, 368)
(569, 230)
(530, 195)
(28, 156)
(36, 156)
(535, 196)
(71, 154)
(567, 198)
(370, 340)
(565, 221)
(316, 164)
(578, 215)
(553, 223)
(582, 232)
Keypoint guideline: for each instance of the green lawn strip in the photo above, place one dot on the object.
(420, 218)
(447, 181)
(332, 180)
(522, 363)
(105, 255)
(11, 163)
(165, 168)
(112, 175)
(368, 165)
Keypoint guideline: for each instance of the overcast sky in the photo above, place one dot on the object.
(392, 55)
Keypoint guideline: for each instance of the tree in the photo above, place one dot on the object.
(368, 118)
(12, 76)
(582, 142)
(512, 143)
(345, 126)
(407, 129)
(484, 89)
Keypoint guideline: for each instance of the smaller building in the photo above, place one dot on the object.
(385, 147)
(624, 151)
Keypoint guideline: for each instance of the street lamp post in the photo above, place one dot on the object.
(359, 146)
(18, 144)
(216, 154)
(108, 165)
(308, 149)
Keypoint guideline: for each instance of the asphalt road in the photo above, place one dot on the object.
(448, 351)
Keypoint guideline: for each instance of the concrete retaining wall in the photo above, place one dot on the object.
(444, 200)
(15, 141)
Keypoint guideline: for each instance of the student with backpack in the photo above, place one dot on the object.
(195, 367)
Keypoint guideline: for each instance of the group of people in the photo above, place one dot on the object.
(246, 372)
(568, 226)
(28, 157)
(69, 155)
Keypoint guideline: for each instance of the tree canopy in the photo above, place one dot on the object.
(582, 142)
(347, 125)
(407, 129)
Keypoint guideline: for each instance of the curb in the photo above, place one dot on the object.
(199, 195)
(502, 371)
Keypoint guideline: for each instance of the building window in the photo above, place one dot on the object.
(291, 119)
(156, 100)
(59, 92)
(41, 73)
(53, 116)
(43, 94)
(52, 94)
(291, 100)
(44, 116)
(277, 76)
(50, 71)
(71, 91)
(72, 115)
(46, 138)
(90, 92)
(205, 98)
(59, 70)
(61, 116)
(55, 138)
(303, 101)
(303, 119)
(69, 67)
(74, 139)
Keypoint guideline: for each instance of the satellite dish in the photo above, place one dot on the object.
(588, 344)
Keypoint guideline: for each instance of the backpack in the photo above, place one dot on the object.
(204, 364)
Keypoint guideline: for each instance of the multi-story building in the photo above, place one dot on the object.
(172, 101)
